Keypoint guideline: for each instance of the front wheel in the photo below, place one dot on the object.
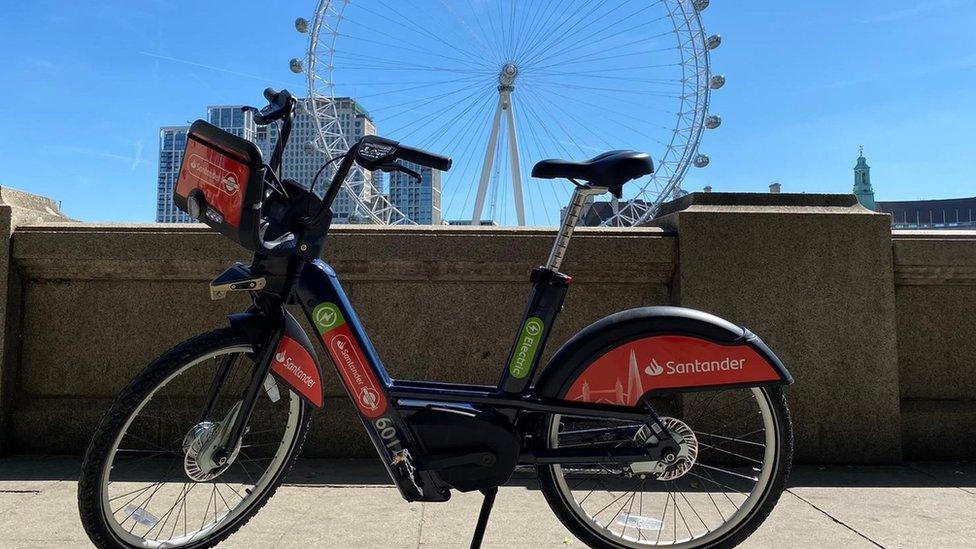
(735, 459)
(146, 481)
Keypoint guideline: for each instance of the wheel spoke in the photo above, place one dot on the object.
(147, 491)
(703, 502)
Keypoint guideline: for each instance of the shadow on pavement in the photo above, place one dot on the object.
(370, 472)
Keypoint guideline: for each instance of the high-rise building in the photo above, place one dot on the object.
(420, 200)
(233, 119)
(172, 141)
(301, 161)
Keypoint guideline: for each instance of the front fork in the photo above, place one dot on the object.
(262, 368)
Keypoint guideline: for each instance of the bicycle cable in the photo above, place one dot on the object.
(311, 188)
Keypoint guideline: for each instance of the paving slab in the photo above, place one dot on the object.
(520, 519)
(33, 473)
(796, 524)
(351, 517)
(351, 504)
(957, 475)
(894, 507)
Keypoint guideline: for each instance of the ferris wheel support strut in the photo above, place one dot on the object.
(479, 204)
(506, 80)
(514, 157)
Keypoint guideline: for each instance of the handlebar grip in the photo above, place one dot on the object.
(424, 158)
(270, 94)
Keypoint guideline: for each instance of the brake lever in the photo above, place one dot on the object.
(395, 167)
(259, 118)
(265, 116)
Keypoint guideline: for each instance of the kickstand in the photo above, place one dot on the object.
(479, 531)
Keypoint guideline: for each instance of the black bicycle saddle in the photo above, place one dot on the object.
(610, 170)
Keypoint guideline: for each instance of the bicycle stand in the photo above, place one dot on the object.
(486, 505)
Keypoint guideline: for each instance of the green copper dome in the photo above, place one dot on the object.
(862, 183)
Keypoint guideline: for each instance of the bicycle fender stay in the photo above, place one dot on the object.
(295, 362)
(649, 350)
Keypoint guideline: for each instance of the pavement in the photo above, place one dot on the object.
(351, 504)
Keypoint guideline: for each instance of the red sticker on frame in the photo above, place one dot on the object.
(357, 375)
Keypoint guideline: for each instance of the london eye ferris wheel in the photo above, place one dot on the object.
(502, 84)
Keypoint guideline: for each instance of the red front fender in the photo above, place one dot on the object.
(295, 362)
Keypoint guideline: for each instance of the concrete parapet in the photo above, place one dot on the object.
(101, 301)
(935, 289)
(877, 328)
(812, 276)
(16, 208)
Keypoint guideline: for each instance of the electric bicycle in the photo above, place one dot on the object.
(656, 426)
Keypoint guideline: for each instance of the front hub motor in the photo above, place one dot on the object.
(203, 458)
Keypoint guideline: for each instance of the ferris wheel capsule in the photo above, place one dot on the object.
(714, 41)
(717, 82)
(702, 160)
(296, 66)
(301, 25)
(700, 5)
(713, 121)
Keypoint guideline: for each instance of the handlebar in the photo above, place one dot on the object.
(288, 222)
(424, 158)
(373, 152)
(278, 108)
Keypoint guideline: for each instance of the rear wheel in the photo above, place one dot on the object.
(147, 480)
(735, 459)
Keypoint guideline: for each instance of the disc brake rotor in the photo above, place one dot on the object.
(673, 466)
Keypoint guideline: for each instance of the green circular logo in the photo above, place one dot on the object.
(326, 316)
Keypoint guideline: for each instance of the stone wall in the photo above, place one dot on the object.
(874, 328)
(935, 298)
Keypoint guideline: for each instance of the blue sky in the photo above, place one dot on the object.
(87, 86)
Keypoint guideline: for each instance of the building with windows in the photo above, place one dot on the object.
(172, 141)
(233, 119)
(951, 213)
(300, 162)
(418, 200)
(467, 223)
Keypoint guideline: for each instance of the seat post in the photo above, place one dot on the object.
(569, 222)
